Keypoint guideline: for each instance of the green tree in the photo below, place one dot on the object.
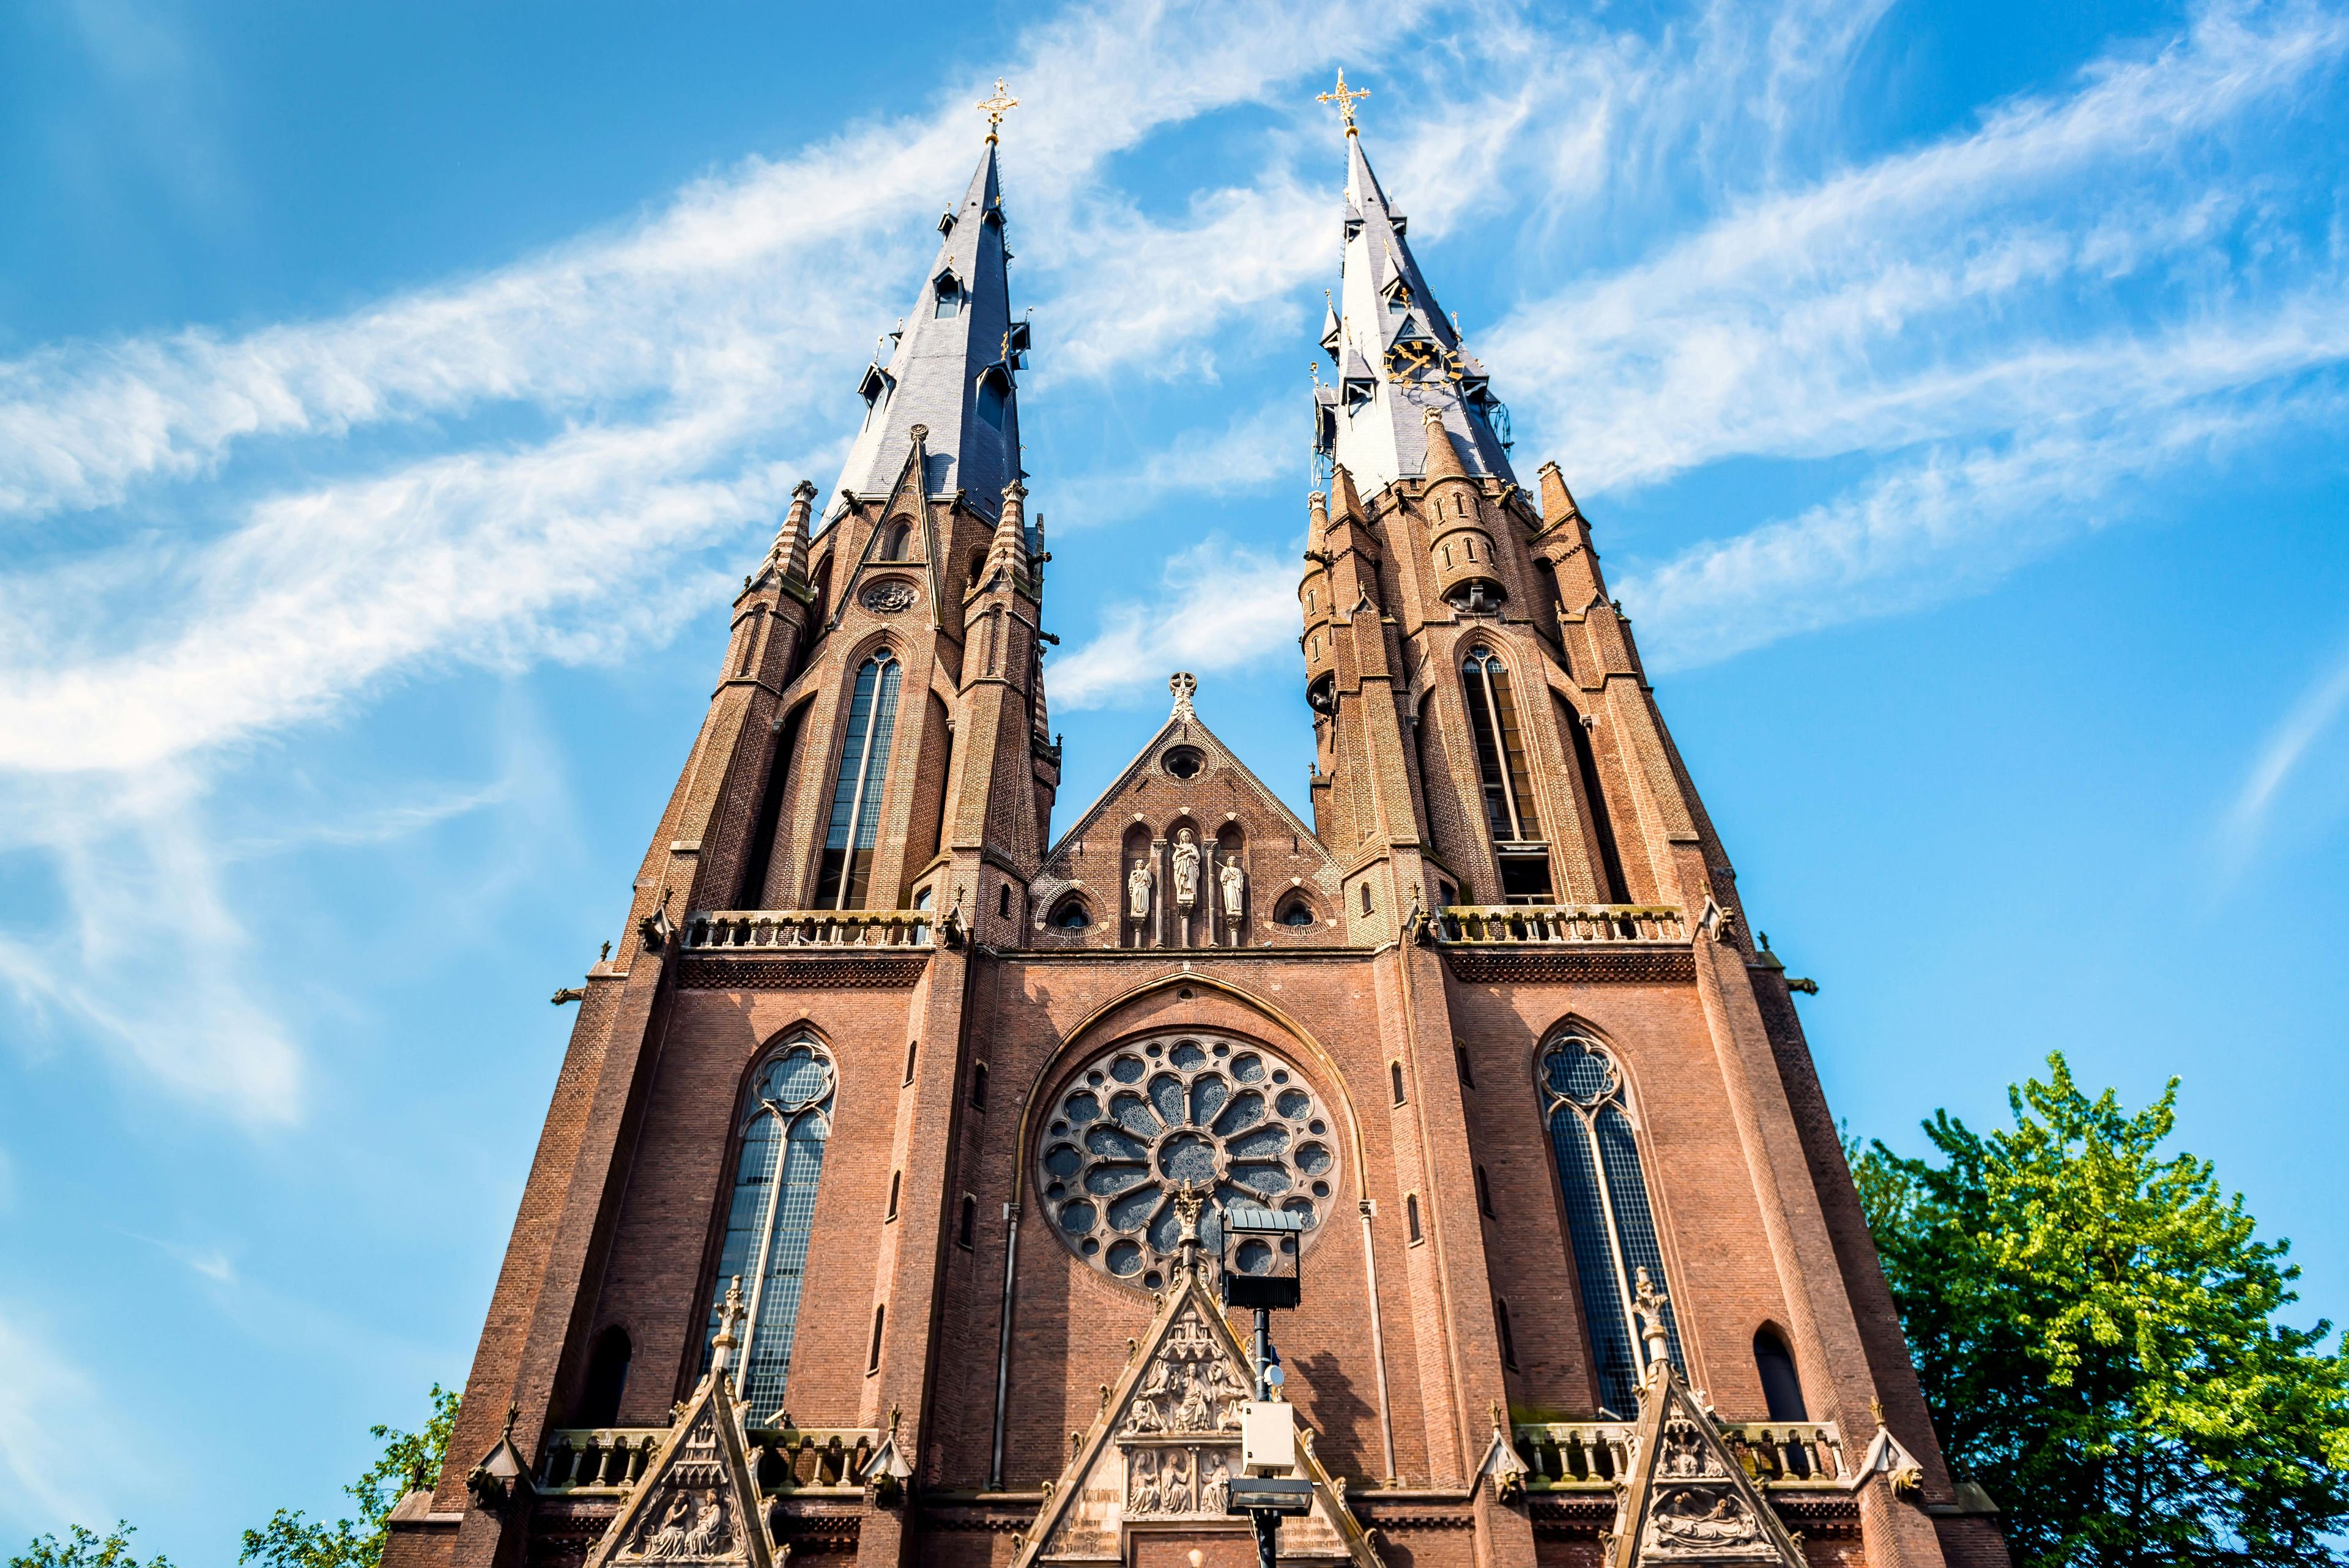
(291, 1540)
(85, 1549)
(2095, 1327)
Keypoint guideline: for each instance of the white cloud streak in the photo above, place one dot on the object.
(2280, 754)
(1222, 608)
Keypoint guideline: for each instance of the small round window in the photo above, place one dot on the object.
(1183, 762)
(1146, 1120)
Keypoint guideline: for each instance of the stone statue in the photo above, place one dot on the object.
(1234, 882)
(1186, 869)
(1137, 891)
(1215, 1485)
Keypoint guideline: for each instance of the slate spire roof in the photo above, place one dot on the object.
(953, 368)
(1397, 356)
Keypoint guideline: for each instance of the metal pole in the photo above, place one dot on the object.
(1267, 1523)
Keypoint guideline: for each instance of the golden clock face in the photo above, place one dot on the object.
(1422, 359)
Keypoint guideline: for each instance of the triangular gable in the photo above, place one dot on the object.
(1194, 732)
(1163, 1450)
(698, 1500)
(1685, 1501)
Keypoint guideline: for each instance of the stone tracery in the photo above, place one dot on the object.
(1145, 1121)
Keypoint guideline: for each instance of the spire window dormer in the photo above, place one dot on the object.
(950, 293)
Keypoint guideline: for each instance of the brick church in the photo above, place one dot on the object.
(878, 1215)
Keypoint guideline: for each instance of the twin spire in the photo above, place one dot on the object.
(1410, 398)
(953, 363)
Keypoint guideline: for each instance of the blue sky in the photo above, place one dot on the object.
(390, 394)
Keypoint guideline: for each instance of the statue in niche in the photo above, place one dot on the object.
(1234, 882)
(1215, 1483)
(1175, 1482)
(1144, 1499)
(1186, 869)
(1137, 891)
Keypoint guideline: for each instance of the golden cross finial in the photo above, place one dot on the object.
(1344, 97)
(996, 107)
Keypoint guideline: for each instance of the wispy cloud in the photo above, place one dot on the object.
(1221, 608)
(2280, 755)
(52, 1418)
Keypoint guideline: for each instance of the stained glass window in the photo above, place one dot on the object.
(786, 1119)
(1608, 1220)
(854, 827)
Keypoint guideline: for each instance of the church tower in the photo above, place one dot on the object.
(880, 1214)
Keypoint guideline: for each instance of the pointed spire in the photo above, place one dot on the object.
(1442, 457)
(1558, 501)
(1343, 500)
(1399, 358)
(790, 555)
(954, 367)
(1007, 554)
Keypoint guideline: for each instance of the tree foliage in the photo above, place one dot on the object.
(84, 1549)
(292, 1540)
(2095, 1327)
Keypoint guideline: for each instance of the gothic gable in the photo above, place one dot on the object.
(699, 1501)
(1685, 1501)
(1185, 780)
(1163, 1450)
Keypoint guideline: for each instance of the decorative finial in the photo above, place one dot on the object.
(730, 1312)
(1344, 97)
(996, 107)
(1647, 1307)
(1183, 683)
(1188, 1205)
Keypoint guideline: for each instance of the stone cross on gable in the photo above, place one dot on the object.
(1183, 683)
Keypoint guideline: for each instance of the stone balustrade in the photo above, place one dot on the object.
(1523, 925)
(795, 1459)
(830, 930)
(598, 1461)
(1561, 1456)
(605, 1461)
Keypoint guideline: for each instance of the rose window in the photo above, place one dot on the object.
(1145, 1121)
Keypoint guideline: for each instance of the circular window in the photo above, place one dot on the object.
(1143, 1122)
(1183, 762)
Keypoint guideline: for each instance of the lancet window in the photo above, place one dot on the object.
(846, 875)
(785, 1121)
(1505, 781)
(1612, 1227)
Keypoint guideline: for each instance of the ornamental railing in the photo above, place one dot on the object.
(605, 1461)
(795, 1459)
(1525, 925)
(588, 1461)
(726, 930)
(1561, 1456)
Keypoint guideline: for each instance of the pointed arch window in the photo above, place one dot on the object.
(854, 829)
(785, 1122)
(1608, 1220)
(1505, 780)
(949, 300)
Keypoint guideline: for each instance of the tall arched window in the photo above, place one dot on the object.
(847, 874)
(896, 544)
(1507, 785)
(786, 1119)
(1781, 1385)
(1613, 1230)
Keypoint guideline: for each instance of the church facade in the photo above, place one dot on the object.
(877, 1214)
